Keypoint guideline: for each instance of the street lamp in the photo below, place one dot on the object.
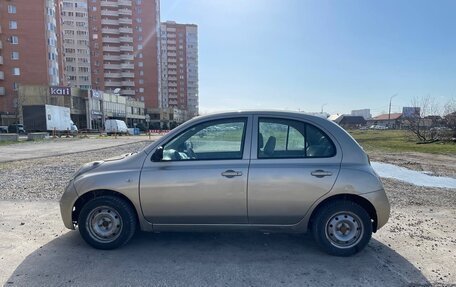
(322, 106)
(389, 111)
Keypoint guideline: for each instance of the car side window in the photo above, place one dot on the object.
(213, 140)
(280, 138)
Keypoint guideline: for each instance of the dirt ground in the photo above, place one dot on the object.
(417, 247)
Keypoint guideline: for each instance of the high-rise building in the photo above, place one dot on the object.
(74, 43)
(124, 48)
(28, 49)
(179, 67)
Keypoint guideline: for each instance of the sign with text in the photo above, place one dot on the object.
(60, 91)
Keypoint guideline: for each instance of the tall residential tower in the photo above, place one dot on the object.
(179, 67)
(28, 49)
(124, 48)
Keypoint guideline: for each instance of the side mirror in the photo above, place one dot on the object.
(158, 154)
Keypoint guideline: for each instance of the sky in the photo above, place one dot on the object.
(313, 55)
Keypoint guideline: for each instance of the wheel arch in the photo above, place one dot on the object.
(86, 197)
(364, 203)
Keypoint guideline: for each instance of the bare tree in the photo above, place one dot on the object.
(423, 124)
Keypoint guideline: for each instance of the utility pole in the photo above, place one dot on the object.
(389, 111)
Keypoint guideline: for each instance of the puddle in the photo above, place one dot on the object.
(412, 176)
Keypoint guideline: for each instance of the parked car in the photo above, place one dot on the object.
(378, 127)
(3, 129)
(116, 127)
(264, 171)
(16, 129)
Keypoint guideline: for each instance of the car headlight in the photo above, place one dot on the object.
(86, 167)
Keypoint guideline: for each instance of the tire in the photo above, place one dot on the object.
(342, 228)
(107, 222)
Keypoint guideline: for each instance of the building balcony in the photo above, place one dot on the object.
(112, 84)
(127, 66)
(109, 31)
(172, 54)
(111, 66)
(128, 84)
(127, 57)
(128, 92)
(109, 13)
(171, 48)
(171, 42)
(172, 60)
(109, 22)
(111, 40)
(124, 3)
(172, 84)
(111, 49)
(125, 12)
(126, 30)
(172, 72)
(172, 66)
(111, 57)
(126, 39)
(125, 48)
(108, 4)
(127, 75)
(2, 91)
(2, 75)
(125, 21)
(172, 78)
(113, 75)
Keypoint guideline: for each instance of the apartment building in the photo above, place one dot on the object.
(179, 67)
(28, 50)
(124, 48)
(75, 49)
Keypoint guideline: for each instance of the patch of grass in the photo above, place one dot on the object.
(398, 141)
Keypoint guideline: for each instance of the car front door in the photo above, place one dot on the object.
(293, 164)
(202, 178)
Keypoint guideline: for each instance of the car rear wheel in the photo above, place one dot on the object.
(107, 222)
(342, 228)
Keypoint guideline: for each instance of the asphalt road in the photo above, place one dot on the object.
(55, 147)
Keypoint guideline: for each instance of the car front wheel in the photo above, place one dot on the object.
(107, 222)
(342, 228)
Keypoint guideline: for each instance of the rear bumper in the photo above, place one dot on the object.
(381, 204)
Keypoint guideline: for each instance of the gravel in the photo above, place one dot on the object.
(46, 178)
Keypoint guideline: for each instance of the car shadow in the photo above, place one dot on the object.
(212, 259)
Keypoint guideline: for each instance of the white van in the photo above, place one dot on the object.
(115, 127)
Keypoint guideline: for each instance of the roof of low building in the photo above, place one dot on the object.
(385, 117)
(350, 120)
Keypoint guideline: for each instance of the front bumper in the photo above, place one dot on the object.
(381, 204)
(67, 201)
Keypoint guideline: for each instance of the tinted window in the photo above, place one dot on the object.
(222, 139)
(280, 138)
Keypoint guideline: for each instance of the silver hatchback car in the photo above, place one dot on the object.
(258, 170)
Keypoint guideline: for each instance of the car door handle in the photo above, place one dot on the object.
(231, 173)
(321, 173)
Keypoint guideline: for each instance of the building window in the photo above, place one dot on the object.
(141, 73)
(140, 64)
(11, 9)
(14, 40)
(15, 86)
(141, 90)
(13, 25)
(141, 81)
(16, 72)
(14, 55)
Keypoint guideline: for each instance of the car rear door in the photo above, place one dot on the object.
(293, 164)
